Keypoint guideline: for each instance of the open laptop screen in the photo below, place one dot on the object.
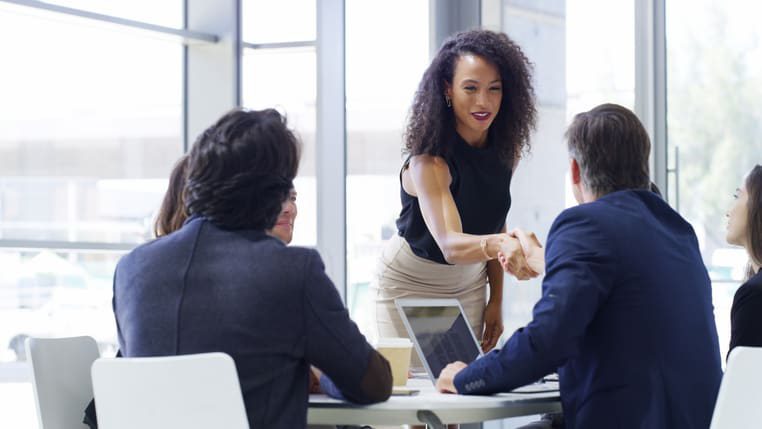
(441, 334)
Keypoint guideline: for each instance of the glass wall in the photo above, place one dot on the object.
(383, 69)
(279, 21)
(168, 13)
(90, 126)
(285, 78)
(91, 120)
(575, 69)
(714, 81)
(600, 54)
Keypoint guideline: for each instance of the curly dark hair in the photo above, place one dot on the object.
(241, 169)
(431, 123)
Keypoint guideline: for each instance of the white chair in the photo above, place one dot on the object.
(61, 379)
(189, 391)
(739, 403)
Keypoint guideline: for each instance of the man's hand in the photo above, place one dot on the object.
(446, 380)
(533, 251)
(493, 325)
(512, 259)
(314, 386)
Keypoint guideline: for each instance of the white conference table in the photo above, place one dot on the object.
(431, 407)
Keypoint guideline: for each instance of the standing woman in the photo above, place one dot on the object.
(745, 229)
(468, 127)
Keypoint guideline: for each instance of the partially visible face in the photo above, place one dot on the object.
(284, 227)
(476, 93)
(738, 222)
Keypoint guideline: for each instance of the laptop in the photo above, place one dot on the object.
(440, 332)
(441, 335)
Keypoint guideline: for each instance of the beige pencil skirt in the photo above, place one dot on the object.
(403, 274)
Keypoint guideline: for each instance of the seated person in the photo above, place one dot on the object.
(172, 214)
(745, 229)
(625, 315)
(171, 217)
(221, 283)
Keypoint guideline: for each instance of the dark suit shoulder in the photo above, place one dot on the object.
(301, 252)
(301, 257)
(587, 217)
(580, 211)
(629, 213)
(159, 246)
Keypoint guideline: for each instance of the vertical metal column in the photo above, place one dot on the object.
(331, 153)
(448, 17)
(212, 72)
(651, 82)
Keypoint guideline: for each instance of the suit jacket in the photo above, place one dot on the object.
(625, 317)
(271, 307)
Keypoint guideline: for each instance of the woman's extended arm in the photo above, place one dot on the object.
(428, 178)
(493, 312)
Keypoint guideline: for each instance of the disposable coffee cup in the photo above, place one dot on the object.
(397, 351)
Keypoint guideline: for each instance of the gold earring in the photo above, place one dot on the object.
(448, 101)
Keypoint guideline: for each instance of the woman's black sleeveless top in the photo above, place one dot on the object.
(481, 189)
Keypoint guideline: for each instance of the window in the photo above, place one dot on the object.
(285, 78)
(47, 293)
(600, 54)
(278, 22)
(90, 126)
(167, 13)
(382, 75)
(713, 93)
(575, 69)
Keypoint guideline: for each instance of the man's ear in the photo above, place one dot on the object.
(576, 174)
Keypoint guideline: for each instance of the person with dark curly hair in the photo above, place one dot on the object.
(222, 283)
(468, 127)
(171, 215)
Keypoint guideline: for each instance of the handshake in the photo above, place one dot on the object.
(521, 254)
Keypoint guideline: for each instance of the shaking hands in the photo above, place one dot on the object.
(522, 255)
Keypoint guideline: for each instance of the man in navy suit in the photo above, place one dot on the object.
(625, 315)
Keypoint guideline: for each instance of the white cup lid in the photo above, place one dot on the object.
(394, 342)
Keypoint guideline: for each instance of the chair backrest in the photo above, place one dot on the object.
(739, 403)
(189, 391)
(61, 379)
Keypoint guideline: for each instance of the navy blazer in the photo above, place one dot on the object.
(625, 317)
(271, 307)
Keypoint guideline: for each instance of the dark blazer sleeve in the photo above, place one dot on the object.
(580, 268)
(746, 316)
(336, 346)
